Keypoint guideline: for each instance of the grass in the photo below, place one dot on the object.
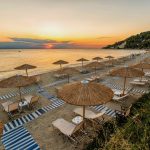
(132, 135)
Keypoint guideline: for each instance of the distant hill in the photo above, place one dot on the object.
(139, 41)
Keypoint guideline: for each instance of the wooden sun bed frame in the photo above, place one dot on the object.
(31, 100)
(137, 83)
(142, 80)
(10, 107)
(60, 76)
(68, 129)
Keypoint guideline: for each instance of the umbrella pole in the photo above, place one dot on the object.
(124, 86)
(68, 78)
(60, 67)
(95, 71)
(27, 72)
(82, 65)
(141, 76)
(20, 94)
(83, 116)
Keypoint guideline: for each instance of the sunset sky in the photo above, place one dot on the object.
(70, 23)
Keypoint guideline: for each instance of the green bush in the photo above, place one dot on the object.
(133, 135)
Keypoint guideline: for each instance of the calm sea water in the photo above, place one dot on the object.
(43, 59)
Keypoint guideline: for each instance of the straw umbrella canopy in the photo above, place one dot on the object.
(95, 65)
(97, 58)
(109, 58)
(17, 81)
(85, 93)
(68, 70)
(25, 67)
(60, 62)
(82, 60)
(142, 66)
(126, 72)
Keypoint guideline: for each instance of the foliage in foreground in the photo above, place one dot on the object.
(133, 135)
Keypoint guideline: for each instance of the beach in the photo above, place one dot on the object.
(43, 59)
(41, 128)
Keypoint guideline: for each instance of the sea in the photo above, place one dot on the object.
(44, 58)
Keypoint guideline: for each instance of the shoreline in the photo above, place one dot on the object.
(42, 65)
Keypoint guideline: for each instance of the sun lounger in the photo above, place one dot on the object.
(147, 74)
(93, 78)
(60, 75)
(31, 100)
(118, 92)
(140, 80)
(119, 98)
(89, 114)
(124, 112)
(83, 71)
(89, 79)
(10, 107)
(137, 83)
(67, 128)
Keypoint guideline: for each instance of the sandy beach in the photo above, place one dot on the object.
(41, 128)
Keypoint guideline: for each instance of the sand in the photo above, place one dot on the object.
(48, 137)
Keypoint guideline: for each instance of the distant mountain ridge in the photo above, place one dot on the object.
(139, 41)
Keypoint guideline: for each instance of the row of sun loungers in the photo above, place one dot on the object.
(128, 89)
(139, 82)
(13, 94)
(69, 129)
(31, 116)
(11, 107)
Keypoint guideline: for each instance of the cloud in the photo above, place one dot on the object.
(29, 40)
(29, 43)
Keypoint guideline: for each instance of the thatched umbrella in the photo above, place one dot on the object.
(95, 65)
(17, 81)
(60, 62)
(97, 58)
(142, 66)
(82, 60)
(126, 72)
(25, 67)
(68, 70)
(85, 93)
(109, 58)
